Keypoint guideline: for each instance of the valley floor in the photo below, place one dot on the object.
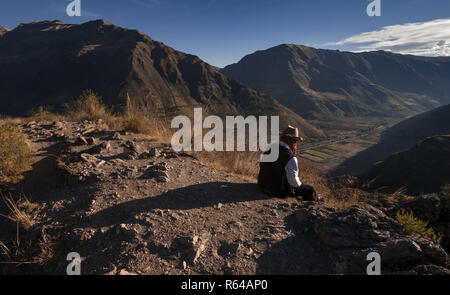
(347, 137)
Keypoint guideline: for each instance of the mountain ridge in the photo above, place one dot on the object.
(322, 83)
(66, 59)
(3, 31)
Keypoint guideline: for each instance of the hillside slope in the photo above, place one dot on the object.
(322, 84)
(51, 63)
(3, 30)
(130, 205)
(401, 136)
(424, 168)
(127, 210)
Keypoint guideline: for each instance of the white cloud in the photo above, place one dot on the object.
(430, 38)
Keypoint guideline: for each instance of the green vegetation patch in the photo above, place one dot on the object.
(319, 154)
(413, 224)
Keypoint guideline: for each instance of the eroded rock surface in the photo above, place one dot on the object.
(352, 234)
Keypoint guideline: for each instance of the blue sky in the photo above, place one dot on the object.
(223, 31)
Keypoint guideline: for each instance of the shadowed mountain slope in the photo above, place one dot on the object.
(323, 84)
(424, 168)
(51, 63)
(402, 136)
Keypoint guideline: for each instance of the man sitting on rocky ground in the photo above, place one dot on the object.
(280, 178)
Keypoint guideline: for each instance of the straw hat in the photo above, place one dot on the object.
(292, 132)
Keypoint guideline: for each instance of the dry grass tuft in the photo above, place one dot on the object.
(91, 108)
(28, 251)
(40, 252)
(20, 211)
(343, 198)
(311, 175)
(136, 121)
(244, 164)
(43, 114)
(5, 250)
(46, 245)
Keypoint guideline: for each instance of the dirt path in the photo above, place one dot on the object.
(127, 203)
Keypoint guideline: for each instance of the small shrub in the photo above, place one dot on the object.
(15, 155)
(88, 106)
(413, 224)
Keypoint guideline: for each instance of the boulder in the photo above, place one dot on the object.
(191, 247)
(116, 136)
(134, 149)
(106, 146)
(94, 161)
(350, 235)
(124, 272)
(158, 172)
(81, 140)
(99, 148)
(154, 152)
(91, 140)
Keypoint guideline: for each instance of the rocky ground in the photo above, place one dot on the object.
(131, 205)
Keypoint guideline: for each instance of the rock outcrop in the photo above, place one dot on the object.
(352, 234)
(323, 84)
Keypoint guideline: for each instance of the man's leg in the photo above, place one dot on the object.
(307, 193)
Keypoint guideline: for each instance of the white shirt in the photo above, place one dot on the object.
(291, 169)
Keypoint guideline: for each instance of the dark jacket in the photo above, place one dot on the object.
(272, 176)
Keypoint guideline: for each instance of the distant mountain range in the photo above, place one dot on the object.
(50, 63)
(424, 168)
(401, 136)
(325, 84)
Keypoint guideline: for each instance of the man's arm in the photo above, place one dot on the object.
(291, 169)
